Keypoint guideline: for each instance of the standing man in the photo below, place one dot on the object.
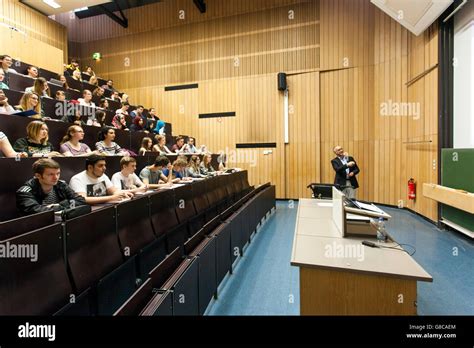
(45, 191)
(346, 170)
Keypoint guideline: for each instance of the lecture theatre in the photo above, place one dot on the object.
(236, 158)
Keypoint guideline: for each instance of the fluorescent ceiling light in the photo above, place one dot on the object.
(81, 9)
(52, 3)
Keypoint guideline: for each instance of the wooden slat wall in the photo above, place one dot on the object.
(35, 25)
(382, 58)
(346, 59)
(250, 42)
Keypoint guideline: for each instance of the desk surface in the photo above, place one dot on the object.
(319, 244)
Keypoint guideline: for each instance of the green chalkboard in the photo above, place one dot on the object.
(457, 171)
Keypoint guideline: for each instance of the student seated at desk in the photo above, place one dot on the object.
(106, 144)
(161, 145)
(86, 99)
(5, 108)
(7, 149)
(32, 72)
(31, 101)
(3, 85)
(206, 167)
(126, 179)
(153, 175)
(193, 169)
(146, 146)
(40, 87)
(45, 192)
(71, 145)
(60, 95)
(94, 185)
(190, 147)
(178, 171)
(36, 143)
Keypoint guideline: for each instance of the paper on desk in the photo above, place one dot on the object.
(370, 207)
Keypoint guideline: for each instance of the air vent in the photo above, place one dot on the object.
(415, 15)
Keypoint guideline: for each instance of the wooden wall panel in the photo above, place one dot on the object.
(361, 57)
(36, 26)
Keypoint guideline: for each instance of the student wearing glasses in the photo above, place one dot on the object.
(71, 145)
(31, 101)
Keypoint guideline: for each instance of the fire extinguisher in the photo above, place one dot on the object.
(411, 189)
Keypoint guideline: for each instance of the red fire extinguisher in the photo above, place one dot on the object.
(411, 189)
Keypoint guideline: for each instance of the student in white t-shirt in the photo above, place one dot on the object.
(126, 179)
(94, 185)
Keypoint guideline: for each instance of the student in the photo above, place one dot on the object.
(161, 145)
(115, 96)
(3, 85)
(178, 171)
(153, 114)
(146, 146)
(75, 117)
(45, 192)
(98, 92)
(94, 185)
(5, 108)
(104, 104)
(189, 147)
(86, 99)
(63, 80)
(76, 75)
(40, 87)
(126, 179)
(206, 167)
(32, 72)
(178, 147)
(93, 81)
(89, 71)
(109, 86)
(138, 112)
(60, 96)
(7, 149)
(160, 128)
(153, 175)
(74, 65)
(71, 145)
(193, 169)
(106, 144)
(137, 125)
(36, 143)
(30, 101)
(118, 121)
(5, 63)
(98, 120)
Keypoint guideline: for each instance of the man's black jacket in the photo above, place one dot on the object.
(30, 196)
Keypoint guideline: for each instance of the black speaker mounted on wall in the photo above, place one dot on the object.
(282, 81)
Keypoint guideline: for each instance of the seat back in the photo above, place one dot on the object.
(163, 215)
(134, 225)
(162, 272)
(24, 224)
(135, 304)
(36, 284)
(92, 247)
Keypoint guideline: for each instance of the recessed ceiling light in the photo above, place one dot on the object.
(52, 3)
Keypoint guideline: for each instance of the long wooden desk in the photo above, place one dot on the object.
(340, 276)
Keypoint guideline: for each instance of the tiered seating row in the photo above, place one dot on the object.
(14, 174)
(90, 265)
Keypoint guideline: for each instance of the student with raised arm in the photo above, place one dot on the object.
(153, 175)
(126, 179)
(94, 185)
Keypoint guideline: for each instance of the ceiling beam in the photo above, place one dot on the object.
(122, 20)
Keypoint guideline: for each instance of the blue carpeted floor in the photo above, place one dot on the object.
(264, 282)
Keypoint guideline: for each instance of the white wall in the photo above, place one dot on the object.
(464, 77)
